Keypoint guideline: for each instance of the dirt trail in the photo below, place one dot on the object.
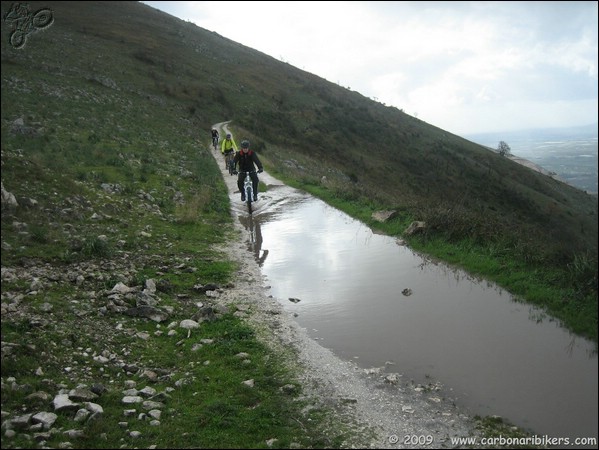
(378, 405)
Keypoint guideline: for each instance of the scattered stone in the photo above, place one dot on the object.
(383, 216)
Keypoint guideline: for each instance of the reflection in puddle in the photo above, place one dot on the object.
(492, 354)
(254, 240)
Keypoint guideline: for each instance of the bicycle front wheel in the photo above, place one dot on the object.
(248, 198)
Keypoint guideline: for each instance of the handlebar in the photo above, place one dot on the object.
(246, 172)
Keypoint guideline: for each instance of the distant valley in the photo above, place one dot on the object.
(570, 153)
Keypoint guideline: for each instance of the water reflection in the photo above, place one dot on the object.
(493, 354)
(254, 241)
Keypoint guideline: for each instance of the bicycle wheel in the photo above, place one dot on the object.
(43, 18)
(248, 198)
(17, 39)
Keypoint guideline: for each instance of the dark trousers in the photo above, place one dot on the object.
(241, 179)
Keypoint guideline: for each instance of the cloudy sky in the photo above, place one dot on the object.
(466, 67)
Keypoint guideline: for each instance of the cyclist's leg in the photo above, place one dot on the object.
(232, 163)
(240, 180)
(254, 176)
(228, 161)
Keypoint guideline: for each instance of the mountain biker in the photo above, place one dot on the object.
(227, 147)
(246, 159)
(215, 137)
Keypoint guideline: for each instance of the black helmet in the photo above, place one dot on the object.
(245, 144)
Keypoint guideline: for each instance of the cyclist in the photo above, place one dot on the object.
(246, 159)
(215, 137)
(227, 148)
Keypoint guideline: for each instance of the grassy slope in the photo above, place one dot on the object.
(131, 82)
(115, 184)
(118, 93)
(117, 100)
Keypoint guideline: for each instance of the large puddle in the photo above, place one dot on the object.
(378, 303)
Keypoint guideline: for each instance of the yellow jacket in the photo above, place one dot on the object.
(228, 144)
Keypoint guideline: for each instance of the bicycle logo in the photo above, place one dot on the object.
(24, 22)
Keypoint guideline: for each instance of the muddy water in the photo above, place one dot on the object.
(378, 303)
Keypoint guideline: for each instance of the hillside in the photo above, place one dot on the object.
(107, 178)
(104, 79)
(392, 158)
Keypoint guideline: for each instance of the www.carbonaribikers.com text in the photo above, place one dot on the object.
(530, 440)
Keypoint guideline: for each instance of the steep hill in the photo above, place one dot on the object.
(112, 92)
(113, 209)
(393, 158)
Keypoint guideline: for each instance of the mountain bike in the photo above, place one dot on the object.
(248, 189)
(215, 142)
(229, 162)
